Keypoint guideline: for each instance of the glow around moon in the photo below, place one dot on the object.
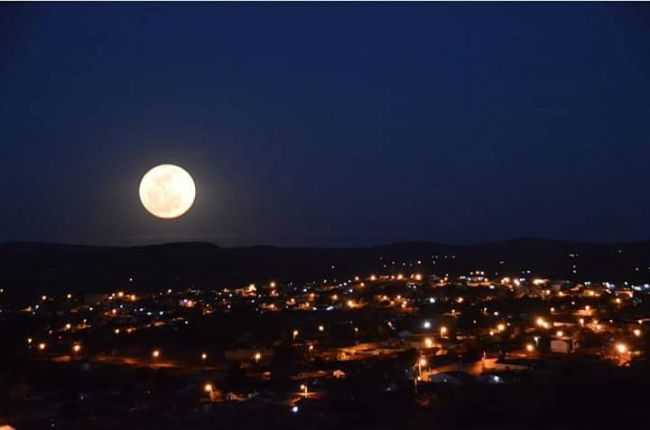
(167, 191)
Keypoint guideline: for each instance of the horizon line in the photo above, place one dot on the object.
(376, 245)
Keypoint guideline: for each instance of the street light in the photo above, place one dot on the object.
(421, 363)
(209, 389)
(155, 353)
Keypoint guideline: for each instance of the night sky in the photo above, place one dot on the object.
(327, 125)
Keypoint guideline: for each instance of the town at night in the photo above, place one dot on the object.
(413, 337)
(324, 215)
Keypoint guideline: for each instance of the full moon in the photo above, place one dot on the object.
(167, 191)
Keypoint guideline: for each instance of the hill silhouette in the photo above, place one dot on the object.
(43, 267)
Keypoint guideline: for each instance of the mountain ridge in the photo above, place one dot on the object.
(35, 266)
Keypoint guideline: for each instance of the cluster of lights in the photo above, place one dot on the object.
(344, 288)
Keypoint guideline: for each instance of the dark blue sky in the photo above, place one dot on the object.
(327, 124)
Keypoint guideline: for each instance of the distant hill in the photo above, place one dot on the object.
(44, 267)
